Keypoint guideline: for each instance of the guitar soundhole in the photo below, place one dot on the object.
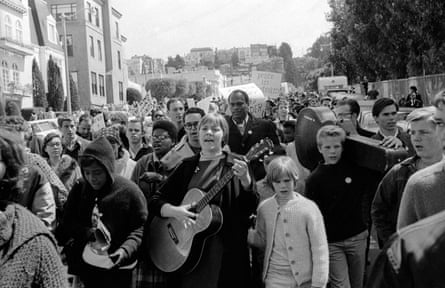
(171, 232)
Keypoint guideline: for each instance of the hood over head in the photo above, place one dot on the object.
(101, 150)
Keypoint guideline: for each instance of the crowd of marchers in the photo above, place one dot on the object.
(220, 198)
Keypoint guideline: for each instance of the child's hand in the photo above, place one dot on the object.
(251, 235)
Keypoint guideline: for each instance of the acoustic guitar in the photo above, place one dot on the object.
(172, 246)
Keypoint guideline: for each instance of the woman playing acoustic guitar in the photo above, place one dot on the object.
(224, 259)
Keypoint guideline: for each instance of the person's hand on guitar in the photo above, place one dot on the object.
(181, 213)
(391, 142)
(241, 170)
(151, 177)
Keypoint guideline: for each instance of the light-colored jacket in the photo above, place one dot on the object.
(124, 166)
(304, 234)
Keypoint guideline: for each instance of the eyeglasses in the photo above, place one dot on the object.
(160, 137)
(190, 125)
(54, 144)
(344, 115)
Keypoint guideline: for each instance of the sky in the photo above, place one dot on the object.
(162, 28)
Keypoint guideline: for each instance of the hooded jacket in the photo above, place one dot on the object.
(30, 259)
(120, 201)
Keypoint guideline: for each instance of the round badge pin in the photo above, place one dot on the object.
(348, 180)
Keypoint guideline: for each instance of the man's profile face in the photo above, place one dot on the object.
(238, 106)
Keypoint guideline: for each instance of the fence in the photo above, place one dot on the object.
(427, 86)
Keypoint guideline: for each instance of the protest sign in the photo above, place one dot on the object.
(268, 82)
(98, 123)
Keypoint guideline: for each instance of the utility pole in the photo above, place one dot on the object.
(67, 70)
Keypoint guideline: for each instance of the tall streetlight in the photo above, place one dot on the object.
(67, 70)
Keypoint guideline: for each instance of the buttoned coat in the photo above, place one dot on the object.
(304, 234)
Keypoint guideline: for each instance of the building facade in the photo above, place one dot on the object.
(95, 49)
(16, 53)
(200, 56)
(45, 42)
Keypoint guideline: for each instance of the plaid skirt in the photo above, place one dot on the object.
(146, 275)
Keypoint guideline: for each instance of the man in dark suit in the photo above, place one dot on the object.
(245, 130)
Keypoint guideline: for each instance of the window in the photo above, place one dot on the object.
(5, 74)
(52, 33)
(96, 14)
(99, 50)
(91, 46)
(15, 74)
(117, 30)
(119, 59)
(8, 26)
(101, 85)
(94, 83)
(70, 11)
(121, 91)
(69, 45)
(18, 31)
(89, 11)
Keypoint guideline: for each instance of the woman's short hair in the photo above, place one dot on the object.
(216, 119)
(48, 138)
(330, 131)
(279, 167)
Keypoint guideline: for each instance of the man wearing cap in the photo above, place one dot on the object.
(103, 221)
(245, 130)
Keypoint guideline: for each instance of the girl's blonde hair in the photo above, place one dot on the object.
(282, 166)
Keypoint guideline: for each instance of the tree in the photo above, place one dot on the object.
(179, 61)
(55, 94)
(290, 71)
(38, 86)
(161, 88)
(133, 95)
(181, 88)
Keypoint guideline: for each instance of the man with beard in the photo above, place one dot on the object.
(245, 130)
(72, 144)
(175, 111)
(84, 127)
(189, 144)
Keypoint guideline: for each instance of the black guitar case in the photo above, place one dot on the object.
(365, 152)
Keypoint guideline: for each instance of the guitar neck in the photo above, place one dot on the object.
(214, 191)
